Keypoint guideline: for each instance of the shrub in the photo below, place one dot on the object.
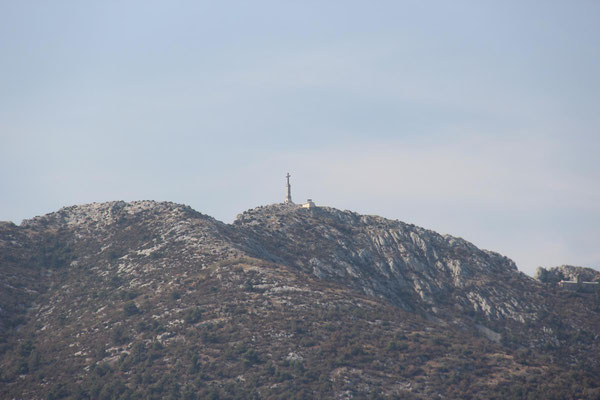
(250, 357)
(192, 315)
(118, 335)
(130, 308)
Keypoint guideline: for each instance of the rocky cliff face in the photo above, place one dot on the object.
(409, 266)
(146, 299)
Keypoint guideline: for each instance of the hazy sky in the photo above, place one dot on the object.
(476, 118)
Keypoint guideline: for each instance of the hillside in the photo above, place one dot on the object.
(156, 300)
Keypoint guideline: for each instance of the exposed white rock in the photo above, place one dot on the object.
(410, 266)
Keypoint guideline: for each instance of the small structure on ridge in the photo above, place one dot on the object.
(579, 285)
(309, 204)
(288, 197)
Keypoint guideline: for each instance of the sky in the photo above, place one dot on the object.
(477, 119)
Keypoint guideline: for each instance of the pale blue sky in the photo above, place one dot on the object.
(476, 118)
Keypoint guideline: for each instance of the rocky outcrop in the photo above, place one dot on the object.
(412, 267)
(566, 273)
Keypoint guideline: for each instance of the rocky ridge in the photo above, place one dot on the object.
(114, 300)
(412, 267)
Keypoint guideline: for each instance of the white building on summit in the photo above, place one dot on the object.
(309, 204)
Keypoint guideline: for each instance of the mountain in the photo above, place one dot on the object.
(155, 300)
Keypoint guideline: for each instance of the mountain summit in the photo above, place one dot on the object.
(411, 267)
(153, 299)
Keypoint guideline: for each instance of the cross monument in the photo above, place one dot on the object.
(288, 197)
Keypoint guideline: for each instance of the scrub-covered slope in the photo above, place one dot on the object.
(155, 300)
